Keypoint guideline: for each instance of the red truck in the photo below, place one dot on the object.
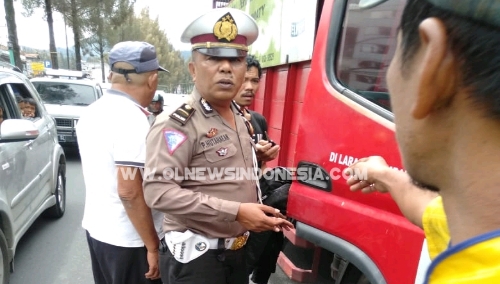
(324, 94)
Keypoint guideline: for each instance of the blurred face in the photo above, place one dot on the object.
(218, 79)
(155, 107)
(29, 110)
(249, 87)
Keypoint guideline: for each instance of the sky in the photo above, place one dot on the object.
(173, 17)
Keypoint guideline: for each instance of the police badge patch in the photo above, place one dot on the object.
(174, 139)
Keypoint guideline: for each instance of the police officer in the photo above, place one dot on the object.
(203, 162)
(156, 105)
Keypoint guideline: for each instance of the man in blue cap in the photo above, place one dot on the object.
(199, 153)
(444, 82)
(122, 232)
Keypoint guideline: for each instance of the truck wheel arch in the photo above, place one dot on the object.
(342, 247)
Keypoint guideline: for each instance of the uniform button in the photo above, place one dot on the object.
(226, 220)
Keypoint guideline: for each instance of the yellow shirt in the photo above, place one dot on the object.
(476, 260)
(436, 227)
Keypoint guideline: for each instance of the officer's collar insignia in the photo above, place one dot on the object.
(212, 132)
(222, 152)
(207, 108)
(183, 114)
(225, 28)
(174, 139)
(201, 246)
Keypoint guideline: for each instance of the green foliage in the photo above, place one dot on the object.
(100, 24)
(143, 28)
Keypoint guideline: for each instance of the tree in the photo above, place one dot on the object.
(102, 19)
(10, 17)
(52, 44)
(143, 28)
(29, 7)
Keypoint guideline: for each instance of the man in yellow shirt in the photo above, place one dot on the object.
(444, 85)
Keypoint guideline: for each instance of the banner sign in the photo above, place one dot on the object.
(286, 29)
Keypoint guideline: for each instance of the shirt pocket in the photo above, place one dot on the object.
(220, 153)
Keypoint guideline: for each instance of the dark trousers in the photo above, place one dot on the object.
(118, 265)
(213, 267)
(263, 250)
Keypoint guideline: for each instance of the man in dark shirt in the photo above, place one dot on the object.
(267, 150)
(262, 248)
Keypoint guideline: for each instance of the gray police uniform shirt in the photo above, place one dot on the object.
(201, 170)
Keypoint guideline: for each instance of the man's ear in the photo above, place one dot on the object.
(192, 70)
(437, 69)
(153, 81)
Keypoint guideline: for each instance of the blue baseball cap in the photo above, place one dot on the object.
(139, 54)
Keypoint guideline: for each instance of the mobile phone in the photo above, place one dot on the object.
(269, 140)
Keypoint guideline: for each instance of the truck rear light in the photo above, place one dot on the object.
(314, 176)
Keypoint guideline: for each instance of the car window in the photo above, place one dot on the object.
(65, 93)
(6, 110)
(28, 106)
(367, 46)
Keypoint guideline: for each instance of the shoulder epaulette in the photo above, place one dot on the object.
(183, 114)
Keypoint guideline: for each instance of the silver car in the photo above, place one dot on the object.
(65, 99)
(32, 164)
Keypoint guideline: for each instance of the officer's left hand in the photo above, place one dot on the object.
(266, 151)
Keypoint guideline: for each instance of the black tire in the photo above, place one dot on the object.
(353, 275)
(5, 265)
(57, 211)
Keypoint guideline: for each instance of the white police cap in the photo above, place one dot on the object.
(223, 32)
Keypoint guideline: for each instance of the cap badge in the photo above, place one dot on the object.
(212, 132)
(225, 28)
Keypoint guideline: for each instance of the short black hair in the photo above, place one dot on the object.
(476, 46)
(30, 101)
(253, 62)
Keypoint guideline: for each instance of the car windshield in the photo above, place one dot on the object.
(65, 93)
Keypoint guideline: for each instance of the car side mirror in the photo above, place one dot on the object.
(15, 130)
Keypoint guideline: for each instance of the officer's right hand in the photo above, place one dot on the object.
(254, 217)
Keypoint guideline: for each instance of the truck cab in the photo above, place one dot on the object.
(324, 94)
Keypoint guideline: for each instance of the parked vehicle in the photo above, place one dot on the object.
(33, 166)
(65, 99)
(324, 94)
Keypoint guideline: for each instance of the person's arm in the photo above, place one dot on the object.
(373, 174)
(132, 197)
(129, 154)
